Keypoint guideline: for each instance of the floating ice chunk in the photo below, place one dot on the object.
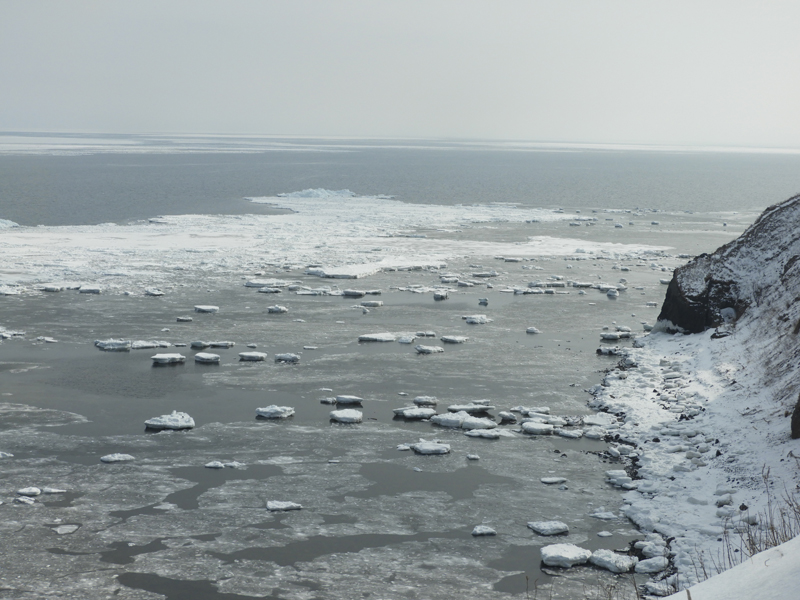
(473, 457)
(167, 359)
(46, 340)
(548, 527)
(24, 500)
(454, 339)
(6, 455)
(275, 412)
(372, 303)
(572, 434)
(564, 555)
(652, 565)
(200, 344)
(611, 561)
(206, 308)
(153, 292)
(214, 464)
(345, 399)
(377, 337)
(480, 530)
(260, 283)
(595, 433)
(206, 358)
(450, 419)
(415, 412)
(426, 401)
(115, 458)
(66, 529)
(406, 339)
(287, 358)
(604, 534)
(430, 447)
(477, 319)
(474, 408)
(486, 274)
(277, 309)
(29, 491)
(84, 289)
(471, 422)
(277, 505)
(604, 516)
(441, 295)
(610, 336)
(222, 344)
(253, 356)
(53, 288)
(553, 480)
(428, 349)
(600, 419)
(112, 345)
(148, 344)
(347, 415)
(537, 428)
(489, 434)
(176, 420)
(532, 330)
(354, 293)
(52, 490)
(507, 417)
(664, 281)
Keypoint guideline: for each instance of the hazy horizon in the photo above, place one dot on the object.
(621, 72)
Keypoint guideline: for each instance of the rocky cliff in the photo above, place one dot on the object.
(750, 288)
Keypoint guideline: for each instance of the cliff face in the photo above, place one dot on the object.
(752, 285)
(761, 267)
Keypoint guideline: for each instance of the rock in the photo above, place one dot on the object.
(611, 561)
(252, 356)
(565, 555)
(795, 426)
(275, 412)
(115, 458)
(276, 505)
(168, 359)
(548, 527)
(347, 415)
(206, 358)
(480, 530)
(176, 420)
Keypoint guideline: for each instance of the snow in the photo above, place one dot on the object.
(773, 574)
(175, 420)
(275, 412)
(564, 555)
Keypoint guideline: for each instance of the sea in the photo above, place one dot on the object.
(302, 246)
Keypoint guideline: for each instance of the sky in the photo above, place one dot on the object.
(596, 71)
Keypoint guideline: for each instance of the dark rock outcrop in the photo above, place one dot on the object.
(796, 421)
(716, 288)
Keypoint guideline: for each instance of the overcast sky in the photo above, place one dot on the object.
(693, 72)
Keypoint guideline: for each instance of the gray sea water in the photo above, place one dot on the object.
(376, 522)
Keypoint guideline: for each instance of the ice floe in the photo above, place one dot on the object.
(454, 339)
(565, 555)
(253, 356)
(613, 561)
(278, 505)
(287, 358)
(206, 358)
(430, 447)
(482, 530)
(115, 458)
(548, 527)
(174, 420)
(347, 415)
(422, 349)
(275, 412)
(113, 345)
(206, 308)
(168, 358)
